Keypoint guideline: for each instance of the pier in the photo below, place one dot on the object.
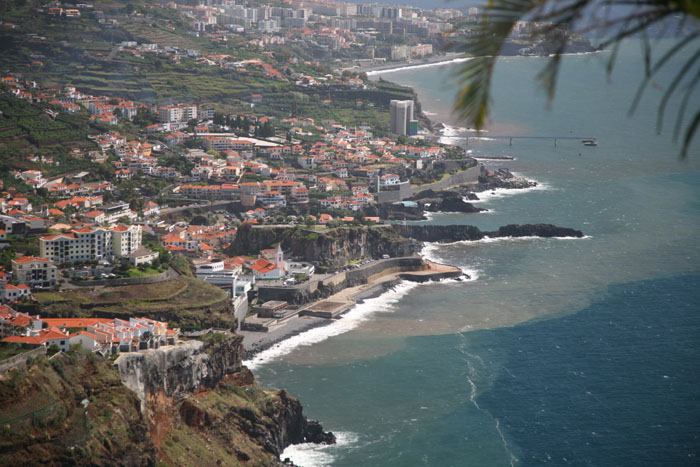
(583, 139)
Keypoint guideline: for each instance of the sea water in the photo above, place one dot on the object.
(559, 351)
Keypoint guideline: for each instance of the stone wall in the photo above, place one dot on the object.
(20, 361)
(315, 289)
(168, 275)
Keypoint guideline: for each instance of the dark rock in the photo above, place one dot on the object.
(314, 433)
(535, 230)
(195, 416)
(443, 201)
(331, 248)
(456, 233)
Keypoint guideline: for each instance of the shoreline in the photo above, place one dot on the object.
(437, 60)
(255, 343)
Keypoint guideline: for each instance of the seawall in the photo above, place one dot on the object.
(315, 289)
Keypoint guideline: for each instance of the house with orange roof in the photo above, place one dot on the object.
(13, 293)
(96, 217)
(46, 337)
(264, 269)
(17, 323)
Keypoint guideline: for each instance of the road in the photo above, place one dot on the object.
(195, 206)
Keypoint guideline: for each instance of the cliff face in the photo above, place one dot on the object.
(185, 368)
(456, 233)
(330, 248)
(193, 404)
(204, 408)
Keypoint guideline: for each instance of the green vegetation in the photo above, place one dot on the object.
(10, 350)
(559, 23)
(44, 405)
(184, 302)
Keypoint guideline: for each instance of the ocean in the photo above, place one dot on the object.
(557, 351)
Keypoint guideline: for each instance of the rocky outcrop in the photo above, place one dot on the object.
(202, 385)
(456, 233)
(500, 178)
(444, 201)
(177, 370)
(534, 230)
(282, 423)
(330, 248)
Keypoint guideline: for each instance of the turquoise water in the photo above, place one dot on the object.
(558, 352)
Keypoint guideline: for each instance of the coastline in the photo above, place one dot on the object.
(437, 60)
(255, 343)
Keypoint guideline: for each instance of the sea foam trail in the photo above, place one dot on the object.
(349, 321)
(421, 65)
(498, 240)
(317, 455)
(429, 252)
(506, 192)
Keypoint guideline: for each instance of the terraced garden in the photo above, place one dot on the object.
(185, 302)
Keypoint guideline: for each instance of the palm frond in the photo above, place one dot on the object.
(555, 20)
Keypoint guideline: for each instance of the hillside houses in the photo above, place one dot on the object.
(107, 336)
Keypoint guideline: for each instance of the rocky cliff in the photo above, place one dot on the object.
(191, 404)
(456, 233)
(204, 408)
(329, 248)
(173, 371)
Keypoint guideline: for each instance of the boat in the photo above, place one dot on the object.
(589, 142)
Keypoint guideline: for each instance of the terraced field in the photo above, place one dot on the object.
(184, 302)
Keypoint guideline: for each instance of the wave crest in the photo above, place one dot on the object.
(349, 321)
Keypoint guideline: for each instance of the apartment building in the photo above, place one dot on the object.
(91, 244)
(34, 272)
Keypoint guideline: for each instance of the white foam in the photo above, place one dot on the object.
(349, 321)
(422, 65)
(428, 252)
(429, 247)
(316, 455)
(497, 193)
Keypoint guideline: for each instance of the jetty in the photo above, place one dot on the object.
(586, 140)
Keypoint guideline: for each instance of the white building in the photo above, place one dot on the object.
(34, 272)
(401, 114)
(91, 244)
(389, 180)
(216, 274)
(177, 113)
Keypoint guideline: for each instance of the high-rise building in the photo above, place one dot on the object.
(401, 114)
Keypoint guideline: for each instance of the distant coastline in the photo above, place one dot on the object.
(437, 60)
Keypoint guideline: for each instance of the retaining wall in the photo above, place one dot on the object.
(20, 361)
(314, 289)
(170, 274)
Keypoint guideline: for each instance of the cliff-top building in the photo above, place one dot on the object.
(91, 244)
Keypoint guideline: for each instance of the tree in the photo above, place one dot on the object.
(558, 22)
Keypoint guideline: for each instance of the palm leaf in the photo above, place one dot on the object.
(554, 20)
